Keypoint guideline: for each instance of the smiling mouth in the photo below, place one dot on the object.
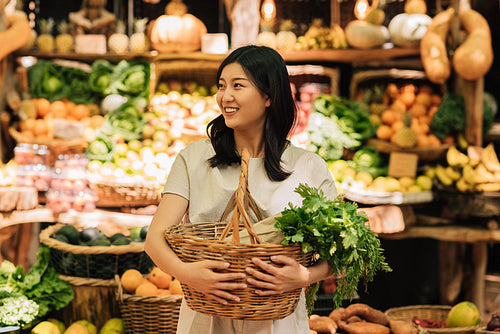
(230, 110)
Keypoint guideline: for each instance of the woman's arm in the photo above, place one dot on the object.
(286, 275)
(203, 275)
(15, 37)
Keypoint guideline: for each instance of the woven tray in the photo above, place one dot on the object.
(102, 262)
(207, 241)
(463, 205)
(113, 194)
(483, 330)
(150, 315)
(434, 312)
(56, 146)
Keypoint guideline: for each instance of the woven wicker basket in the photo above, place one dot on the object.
(483, 330)
(434, 312)
(150, 315)
(113, 194)
(56, 146)
(205, 241)
(102, 262)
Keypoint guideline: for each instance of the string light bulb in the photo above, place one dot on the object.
(361, 9)
(268, 10)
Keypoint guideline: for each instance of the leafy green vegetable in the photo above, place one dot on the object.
(368, 159)
(130, 78)
(100, 76)
(40, 285)
(450, 116)
(101, 148)
(339, 234)
(46, 80)
(126, 122)
(79, 86)
(353, 116)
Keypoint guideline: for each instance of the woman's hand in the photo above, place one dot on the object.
(203, 276)
(287, 275)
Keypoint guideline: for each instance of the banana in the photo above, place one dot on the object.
(340, 34)
(463, 186)
(452, 173)
(483, 175)
(490, 159)
(442, 176)
(469, 175)
(488, 187)
(455, 158)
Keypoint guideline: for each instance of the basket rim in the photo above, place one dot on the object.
(18, 136)
(432, 307)
(44, 236)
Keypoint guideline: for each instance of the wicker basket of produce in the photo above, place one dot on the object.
(209, 241)
(148, 314)
(430, 319)
(121, 194)
(403, 104)
(56, 146)
(90, 254)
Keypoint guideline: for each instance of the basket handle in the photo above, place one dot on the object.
(241, 199)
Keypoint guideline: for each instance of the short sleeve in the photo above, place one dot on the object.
(178, 180)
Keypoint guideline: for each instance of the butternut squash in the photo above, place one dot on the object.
(474, 57)
(433, 51)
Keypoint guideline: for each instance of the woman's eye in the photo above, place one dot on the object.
(219, 85)
(237, 84)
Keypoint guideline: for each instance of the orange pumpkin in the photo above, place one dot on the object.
(176, 31)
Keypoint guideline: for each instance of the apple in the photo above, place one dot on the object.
(148, 131)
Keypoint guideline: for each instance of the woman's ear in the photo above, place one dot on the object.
(268, 102)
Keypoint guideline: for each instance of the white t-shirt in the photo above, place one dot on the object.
(208, 191)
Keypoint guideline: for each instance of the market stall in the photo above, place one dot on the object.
(99, 124)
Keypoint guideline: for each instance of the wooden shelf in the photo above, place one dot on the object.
(451, 233)
(340, 55)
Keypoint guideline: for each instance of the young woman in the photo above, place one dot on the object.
(258, 112)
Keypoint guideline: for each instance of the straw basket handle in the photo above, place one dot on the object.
(241, 200)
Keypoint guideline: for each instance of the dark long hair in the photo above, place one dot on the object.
(267, 70)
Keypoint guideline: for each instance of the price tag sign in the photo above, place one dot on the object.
(403, 164)
(90, 43)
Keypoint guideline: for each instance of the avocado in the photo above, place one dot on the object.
(99, 242)
(121, 241)
(60, 237)
(89, 234)
(70, 232)
(116, 236)
(144, 231)
(135, 232)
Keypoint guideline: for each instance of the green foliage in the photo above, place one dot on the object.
(450, 117)
(41, 285)
(339, 234)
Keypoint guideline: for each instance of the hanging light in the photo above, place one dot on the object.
(268, 10)
(361, 9)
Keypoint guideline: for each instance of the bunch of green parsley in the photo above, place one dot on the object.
(338, 232)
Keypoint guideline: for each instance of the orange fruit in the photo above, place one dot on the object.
(160, 278)
(131, 279)
(175, 287)
(40, 128)
(164, 292)
(97, 121)
(80, 111)
(42, 107)
(146, 288)
(58, 108)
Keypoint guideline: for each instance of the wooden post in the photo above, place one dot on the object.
(473, 92)
(334, 12)
(479, 259)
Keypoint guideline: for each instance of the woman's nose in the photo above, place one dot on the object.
(227, 95)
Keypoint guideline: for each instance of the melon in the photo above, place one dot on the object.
(464, 314)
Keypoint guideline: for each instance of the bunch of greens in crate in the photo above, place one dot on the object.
(336, 124)
(338, 232)
(26, 297)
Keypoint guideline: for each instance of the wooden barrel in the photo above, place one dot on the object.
(95, 300)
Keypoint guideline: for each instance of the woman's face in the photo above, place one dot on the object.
(242, 104)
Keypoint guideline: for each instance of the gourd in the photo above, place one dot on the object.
(474, 57)
(176, 30)
(407, 30)
(364, 35)
(433, 51)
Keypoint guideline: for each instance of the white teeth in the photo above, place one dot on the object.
(228, 110)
